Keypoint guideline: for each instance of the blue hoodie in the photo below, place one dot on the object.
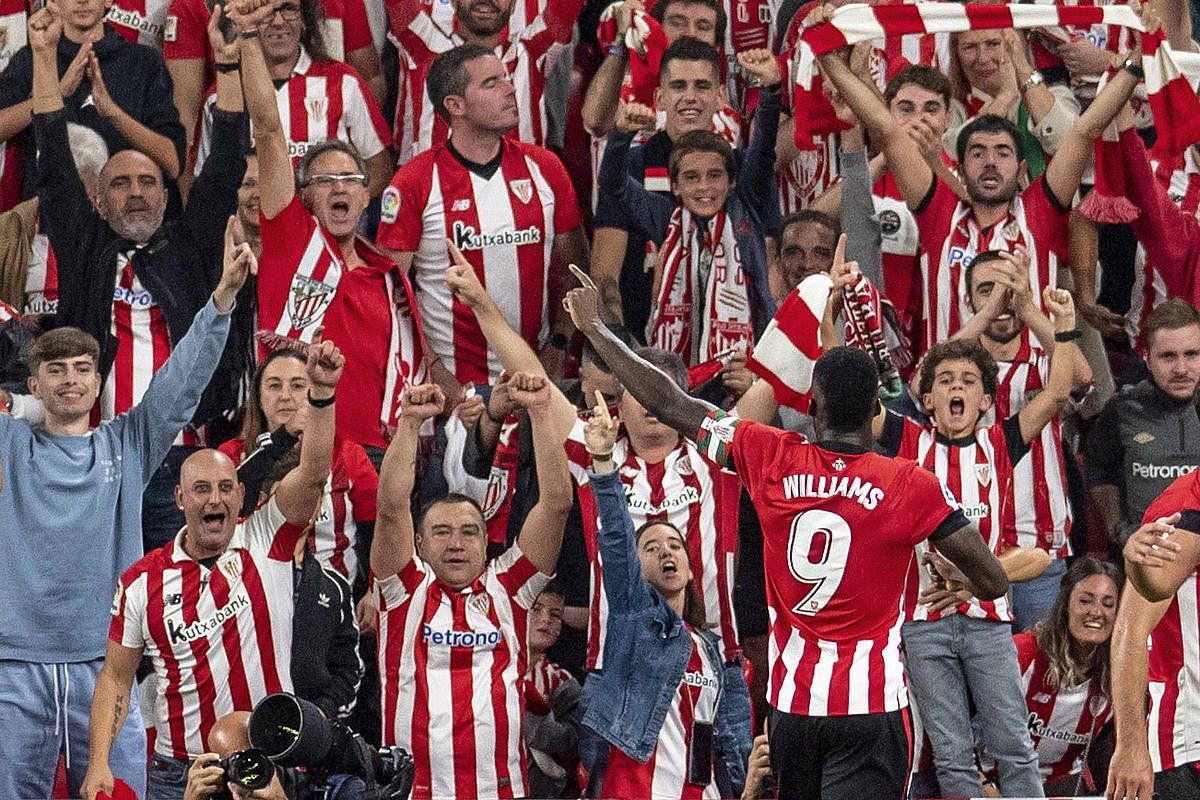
(71, 507)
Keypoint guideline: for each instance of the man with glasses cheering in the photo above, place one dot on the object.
(316, 271)
(318, 98)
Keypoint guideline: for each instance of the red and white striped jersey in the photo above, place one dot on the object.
(139, 21)
(451, 664)
(685, 489)
(1174, 719)
(900, 246)
(504, 221)
(1063, 720)
(494, 493)
(541, 682)
(185, 33)
(143, 342)
(951, 239)
(220, 637)
(806, 177)
(349, 499)
(665, 774)
(1149, 289)
(522, 51)
(839, 527)
(1042, 509)
(978, 472)
(7, 312)
(41, 282)
(301, 274)
(524, 13)
(321, 100)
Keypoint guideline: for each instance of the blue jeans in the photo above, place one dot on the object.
(45, 710)
(1033, 598)
(956, 659)
(168, 778)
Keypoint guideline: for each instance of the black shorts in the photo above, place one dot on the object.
(857, 757)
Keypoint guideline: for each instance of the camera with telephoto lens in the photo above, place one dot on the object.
(294, 733)
(249, 769)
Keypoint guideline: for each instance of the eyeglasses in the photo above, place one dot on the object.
(327, 181)
(289, 11)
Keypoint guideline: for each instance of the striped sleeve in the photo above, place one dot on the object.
(128, 611)
(393, 591)
(716, 435)
(520, 578)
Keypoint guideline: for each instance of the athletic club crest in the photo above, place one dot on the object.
(522, 189)
(316, 106)
(308, 301)
(480, 603)
(983, 474)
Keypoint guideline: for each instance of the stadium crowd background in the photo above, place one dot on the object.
(218, 220)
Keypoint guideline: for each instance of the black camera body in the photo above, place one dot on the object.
(250, 769)
(292, 732)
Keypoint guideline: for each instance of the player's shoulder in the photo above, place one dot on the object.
(1183, 494)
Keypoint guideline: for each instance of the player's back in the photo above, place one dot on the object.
(839, 525)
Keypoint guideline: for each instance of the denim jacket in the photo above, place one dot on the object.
(646, 651)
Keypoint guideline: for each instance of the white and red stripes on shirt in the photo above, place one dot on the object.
(505, 225)
(1042, 510)
(139, 21)
(451, 665)
(696, 496)
(522, 51)
(665, 773)
(951, 238)
(220, 639)
(321, 100)
(980, 476)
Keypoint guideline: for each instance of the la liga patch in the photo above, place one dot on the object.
(389, 204)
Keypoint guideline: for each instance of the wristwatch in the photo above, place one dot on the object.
(1134, 67)
(1035, 79)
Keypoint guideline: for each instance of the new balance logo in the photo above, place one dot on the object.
(462, 204)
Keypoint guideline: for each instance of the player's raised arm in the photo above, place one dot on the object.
(977, 568)
(392, 547)
(650, 385)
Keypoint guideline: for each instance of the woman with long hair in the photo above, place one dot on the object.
(273, 421)
(1065, 673)
(991, 73)
(676, 717)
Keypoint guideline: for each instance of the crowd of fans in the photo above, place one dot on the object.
(363, 349)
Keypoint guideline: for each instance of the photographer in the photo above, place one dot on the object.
(208, 775)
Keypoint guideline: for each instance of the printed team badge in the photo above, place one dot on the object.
(495, 492)
(389, 204)
(839, 465)
(116, 603)
(983, 474)
(232, 568)
(480, 603)
(522, 189)
(317, 107)
(307, 301)
(684, 466)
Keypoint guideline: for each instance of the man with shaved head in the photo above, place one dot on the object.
(131, 273)
(213, 608)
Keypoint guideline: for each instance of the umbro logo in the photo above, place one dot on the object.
(839, 465)
(1143, 437)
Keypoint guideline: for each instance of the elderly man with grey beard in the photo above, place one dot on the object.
(133, 270)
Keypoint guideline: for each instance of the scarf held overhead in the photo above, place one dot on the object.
(1170, 96)
(790, 346)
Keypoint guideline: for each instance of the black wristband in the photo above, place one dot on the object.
(326, 403)
(231, 66)
(1133, 67)
(249, 33)
(1068, 336)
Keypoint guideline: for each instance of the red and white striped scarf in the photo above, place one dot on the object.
(1171, 98)
(864, 309)
(646, 43)
(790, 346)
(724, 311)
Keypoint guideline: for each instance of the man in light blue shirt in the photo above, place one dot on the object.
(70, 524)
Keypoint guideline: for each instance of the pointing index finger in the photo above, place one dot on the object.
(602, 409)
(582, 277)
(839, 255)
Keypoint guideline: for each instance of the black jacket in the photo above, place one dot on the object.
(325, 663)
(179, 266)
(136, 79)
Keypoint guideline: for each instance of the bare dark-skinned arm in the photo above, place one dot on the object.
(966, 550)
